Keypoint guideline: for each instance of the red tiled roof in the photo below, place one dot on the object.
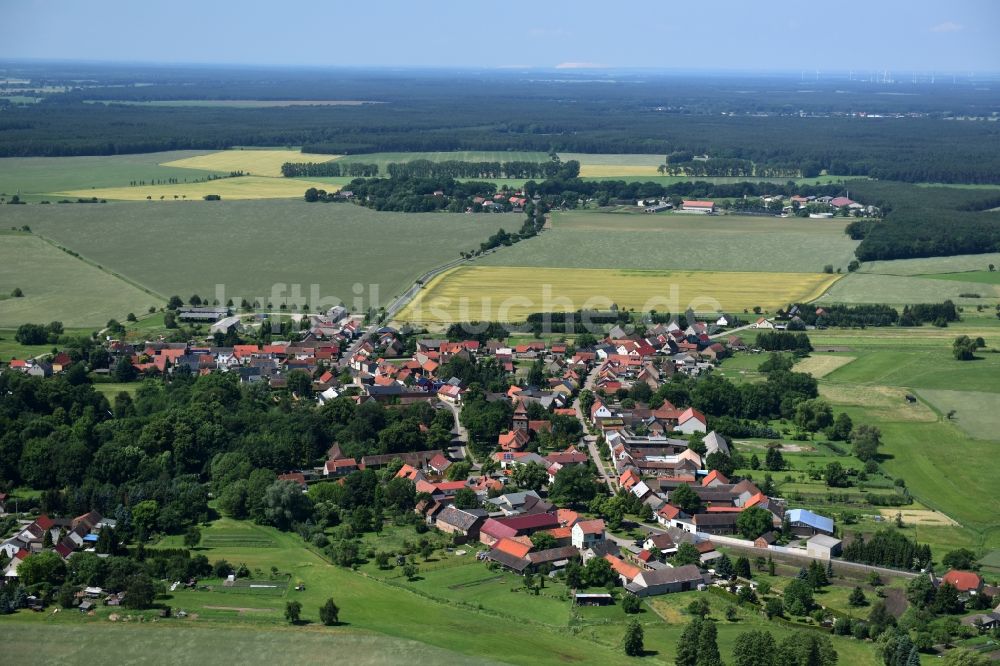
(963, 581)
(623, 568)
(512, 547)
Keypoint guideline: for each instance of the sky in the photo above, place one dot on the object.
(753, 35)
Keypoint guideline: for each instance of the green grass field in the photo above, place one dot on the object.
(43, 175)
(251, 247)
(969, 277)
(459, 611)
(584, 239)
(933, 265)
(60, 287)
(975, 412)
(895, 289)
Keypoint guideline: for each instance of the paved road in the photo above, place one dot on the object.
(591, 440)
(463, 432)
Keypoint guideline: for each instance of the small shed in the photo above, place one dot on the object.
(593, 599)
(823, 546)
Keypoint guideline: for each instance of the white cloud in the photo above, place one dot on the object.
(579, 65)
(947, 26)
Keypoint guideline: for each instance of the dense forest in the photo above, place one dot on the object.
(846, 128)
(926, 221)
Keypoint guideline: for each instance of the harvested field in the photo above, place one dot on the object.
(820, 365)
(251, 162)
(480, 293)
(918, 516)
(888, 402)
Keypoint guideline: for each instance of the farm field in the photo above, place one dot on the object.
(721, 180)
(60, 287)
(820, 365)
(384, 159)
(44, 175)
(134, 643)
(975, 412)
(584, 239)
(932, 265)
(900, 290)
(615, 164)
(251, 162)
(237, 103)
(509, 293)
(252, 246)
(979, 277)
(241, 187)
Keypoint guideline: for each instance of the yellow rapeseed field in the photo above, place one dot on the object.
(251, 162)
(501, 293)
(242, 187)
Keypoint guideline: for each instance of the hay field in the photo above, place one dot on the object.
(59, 287)
(253, 247)
(470, 293)
(252, 162)
(888, 403)
(241, 187)
(820, 365)
(585, 239)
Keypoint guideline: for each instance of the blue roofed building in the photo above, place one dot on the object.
(807, 523)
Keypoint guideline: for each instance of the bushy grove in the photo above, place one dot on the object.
(151, 461)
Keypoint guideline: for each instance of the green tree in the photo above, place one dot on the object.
(773, 460)
(857, 598)
(755, 648)
(708, 646)
(965, 657)
(140, 592)
(293, 611)
(964, 348)
(44, 567)
(573, 484)
(866, 439)
(410, 571)
(144, 517)
(329, 613)
(754, 522)
(465, 498)
(687, 646)
(598, 572)
(960, 558)
(798, 597)
(531, 476)
(835, 475)
(192, 536)
(685, 499)
(631, 604)
(285, 504)
(805, 648)
(633, 641)
(686, 553)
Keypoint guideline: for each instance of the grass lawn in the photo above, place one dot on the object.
(60, 287)
(111, 390)
(490, 293)
(961, 263)
(257, 249)
(589, 239)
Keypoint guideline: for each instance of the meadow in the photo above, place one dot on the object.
(586, 239)
(509, 293)
(459, 610)
(237, 103)
(251, 162)
(250, 247)
(61, 287)
(240, 187)
(958, 264)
